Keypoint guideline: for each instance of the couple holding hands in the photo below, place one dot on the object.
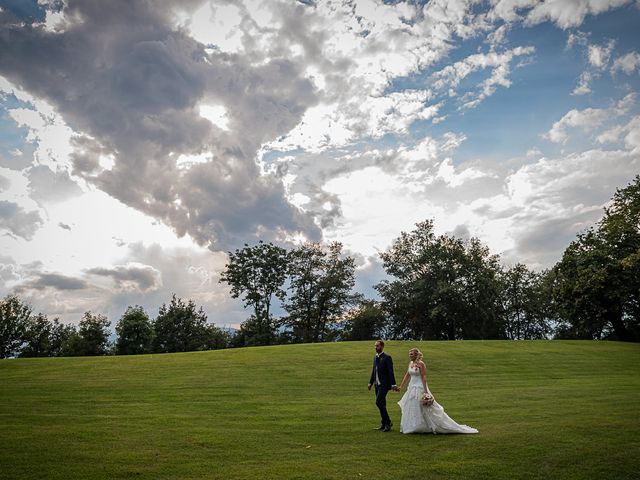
(420, 413)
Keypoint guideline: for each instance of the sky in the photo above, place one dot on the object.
(142, 140)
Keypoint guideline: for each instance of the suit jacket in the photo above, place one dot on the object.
(384, 364)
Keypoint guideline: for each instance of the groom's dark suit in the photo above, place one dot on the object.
(383, 378)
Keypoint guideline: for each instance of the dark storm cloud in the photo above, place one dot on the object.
(55, 281)
(132, 276)
(121, 75)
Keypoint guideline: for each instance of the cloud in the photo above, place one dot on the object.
(577, 38)
(145, 275)
(450, 77)
(566, 13)
(48, 186)
(587, 120)
(132, 276)
(627, 63)
(598, 58)
(629, 131)
(5, 183)
(148, 90)
(17, 221)
(54, 281)
(584, 82)
(557, 198)
(599, 55)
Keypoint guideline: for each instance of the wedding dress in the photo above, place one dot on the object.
(419, 418)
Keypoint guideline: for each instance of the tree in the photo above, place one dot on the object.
(215, 338)
(37, 337)
(596, 284)
(61, 338)
(525, 304)
(257, 274)
(93, 335)
(179, 327)
(443, 288)
(14, 316)
(135, 332)
(321, 280)
(366, 321)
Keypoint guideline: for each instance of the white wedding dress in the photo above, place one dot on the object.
(418, 418)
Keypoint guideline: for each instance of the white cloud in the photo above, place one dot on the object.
(577, 38)
(568, 13)
(588, 119)
(557, 198)
(628, 63)
(450, 77)
(216, 114)
(629, 131)
(599, 55)
(583, 86)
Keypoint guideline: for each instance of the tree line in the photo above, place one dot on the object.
(445, 288)
(179, 327)
(439, 288)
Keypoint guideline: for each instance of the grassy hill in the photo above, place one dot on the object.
(546, 409)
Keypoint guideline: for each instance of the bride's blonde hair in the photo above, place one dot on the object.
(418, 353)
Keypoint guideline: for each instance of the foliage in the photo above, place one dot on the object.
(215, 338)
(367, 321)
(257, 274)
(91, 338)
(596, 285)
(444, 288)
(525, 304)
(320, 282)
(14, 317)
(180, 327)
(37, 337)
(135, 332)
(62, 335)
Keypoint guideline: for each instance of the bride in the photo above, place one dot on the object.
(420, 412)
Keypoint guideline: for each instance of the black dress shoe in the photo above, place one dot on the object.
(387, 428)
(381, 427)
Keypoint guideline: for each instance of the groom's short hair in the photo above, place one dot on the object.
(380, 341)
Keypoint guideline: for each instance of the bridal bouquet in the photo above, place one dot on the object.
(426, 399)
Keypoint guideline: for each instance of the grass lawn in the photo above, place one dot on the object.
(545, 409)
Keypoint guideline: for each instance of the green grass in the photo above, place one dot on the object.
(547, 409)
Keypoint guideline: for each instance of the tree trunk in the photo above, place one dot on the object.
(614, 316)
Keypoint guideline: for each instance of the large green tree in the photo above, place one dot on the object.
(257, 274)
(62, 335)
(321, 280)
(14, 317)
(37, 337)
(525, 303)
(596, 288)
(180, 327)
(135, 332)
(366, 321)
(441, 287)
(93, 332)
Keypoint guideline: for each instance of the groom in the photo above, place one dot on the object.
(384, 380)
